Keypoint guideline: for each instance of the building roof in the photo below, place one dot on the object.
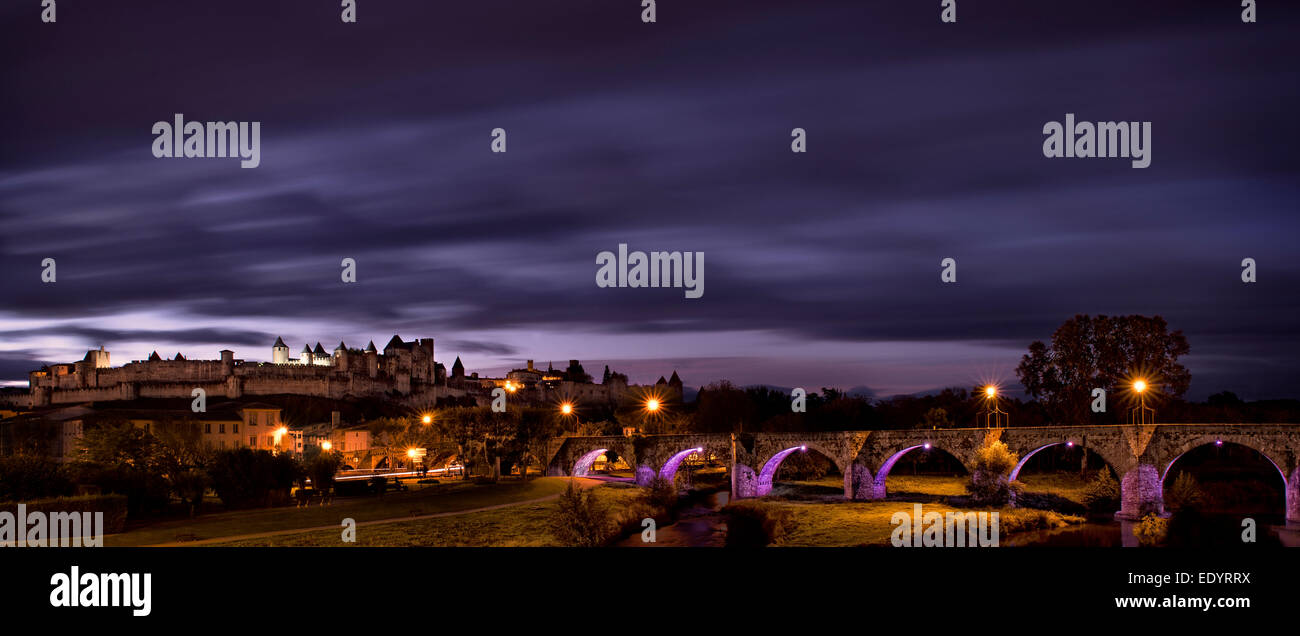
(370, 348)
(395, 343)
(279, 344)
(306, 348)
(341, 347)
(178, 356)
(154, 356)
(320, 351)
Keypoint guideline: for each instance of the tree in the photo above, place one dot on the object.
(936, 418)
(1102, 352)
(119, 457)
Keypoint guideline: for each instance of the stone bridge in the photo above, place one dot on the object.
(1140, 455)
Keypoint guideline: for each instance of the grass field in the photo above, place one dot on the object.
(528, 525)
(1065, 485)
(439, 498)
(816, 512)
(809, 524)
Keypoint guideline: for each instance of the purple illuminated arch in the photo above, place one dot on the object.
(669, 471)
(878, 485)
(1015, 472)
(769, 470)
(583, 465)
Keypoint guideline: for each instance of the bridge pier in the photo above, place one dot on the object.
(1293, 500)
(645, 475)
(858, 483)
(745, 482)
(1140, 493)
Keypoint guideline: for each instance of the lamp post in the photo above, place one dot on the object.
(994, 417)
(1142, 415)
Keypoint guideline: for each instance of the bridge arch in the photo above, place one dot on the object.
(1069, 443)
(878, 488)
(583, 465)
(767, 474)
(669, 470)
(1290, 484)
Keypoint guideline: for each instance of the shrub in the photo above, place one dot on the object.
(988, 481)
(1101, 495)
(113, 507)
(754, 525)
(580, 521)
(1151, 531)
(1185, 495)
(25, 477)
(662, 494)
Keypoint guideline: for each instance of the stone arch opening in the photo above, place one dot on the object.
(582, 467)
(1094, 459)
(1233, 478)
(878, 486)
(771, 469)
(669, 470)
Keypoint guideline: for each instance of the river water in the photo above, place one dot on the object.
(700, 523)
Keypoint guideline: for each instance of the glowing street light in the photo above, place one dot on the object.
(566, 408)
(994, 417)
(410, 452)
(1141, 414)
(652, 405)
(326, 445)
(427, 419)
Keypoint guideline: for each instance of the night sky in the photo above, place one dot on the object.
(821, 269)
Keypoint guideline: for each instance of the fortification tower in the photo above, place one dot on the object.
(279, 352)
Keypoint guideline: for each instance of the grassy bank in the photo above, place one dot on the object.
(432, 499)
(800, 524)
(527, 525)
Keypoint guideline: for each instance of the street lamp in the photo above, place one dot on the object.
(326, 445)
(652, 405)
(1142, 414)
(427, 419)
(994, 417)
(566, 408)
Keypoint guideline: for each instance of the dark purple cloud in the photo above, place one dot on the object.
(924, 144)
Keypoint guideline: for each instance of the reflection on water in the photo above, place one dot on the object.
(1213, 531)
(1085, 535)
(700, 524)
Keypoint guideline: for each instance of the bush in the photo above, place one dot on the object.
(1101, 496)
(662, 494)
(26, 477)
(113, 507)
(988, 481)
(1185, 495)
(754, 525)
(580, 521)
(1151, 531)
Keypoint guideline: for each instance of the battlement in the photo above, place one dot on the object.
(403, 367)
